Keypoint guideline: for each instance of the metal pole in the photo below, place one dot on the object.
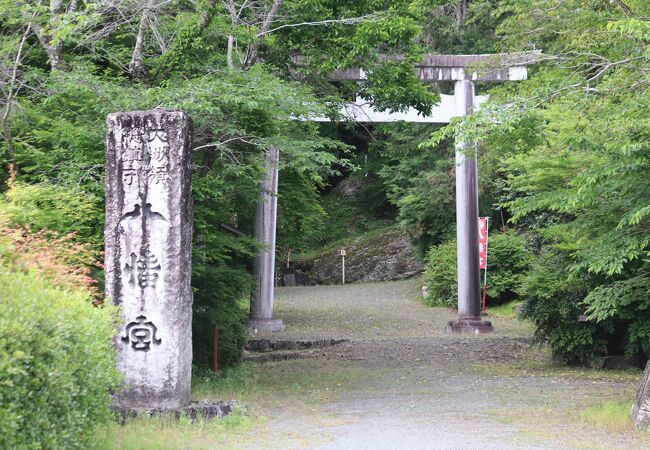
(469, 272)
(215, 349)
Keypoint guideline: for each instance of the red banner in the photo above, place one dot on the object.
(483, 240)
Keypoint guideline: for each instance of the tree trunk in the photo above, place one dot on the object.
(136, 66)
(253, 49)
(11, 94)
(54, 50)
(206, 15)
(54, 53)
(461, 12)
(11, 149)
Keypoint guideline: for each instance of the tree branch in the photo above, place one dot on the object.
(350, 20)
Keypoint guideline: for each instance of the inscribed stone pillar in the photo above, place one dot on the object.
(469, 284)
(261, 314)
(641, 406)
(148, 235)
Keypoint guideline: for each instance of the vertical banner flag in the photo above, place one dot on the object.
(482, 240)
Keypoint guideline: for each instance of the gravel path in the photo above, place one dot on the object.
(401, 383)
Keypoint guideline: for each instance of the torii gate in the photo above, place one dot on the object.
(463, 70)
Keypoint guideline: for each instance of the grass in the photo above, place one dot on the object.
(505, 311)
(282, 380)
(167, 433)
(265, 387)
(611, 416)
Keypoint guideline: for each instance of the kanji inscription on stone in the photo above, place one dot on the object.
(148, 235)
(141, 334)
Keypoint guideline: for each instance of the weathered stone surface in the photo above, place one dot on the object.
(468, 326)
(388, 256)
(203, 409)
(148, 235)
(641, 406)
(267, 345)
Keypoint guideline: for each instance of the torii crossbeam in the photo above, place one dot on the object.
(464, 71)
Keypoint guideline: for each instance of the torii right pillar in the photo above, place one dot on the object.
(469, 275)
(464, 70)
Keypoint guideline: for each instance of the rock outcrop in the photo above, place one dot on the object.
(377, 257)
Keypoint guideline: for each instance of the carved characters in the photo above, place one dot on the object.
(141, 333)
(129, 269)
(158, 148)
(145, 156)
(145, 177)
(133, 148)
(148, 268)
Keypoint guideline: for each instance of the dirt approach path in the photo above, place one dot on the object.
(401, 383)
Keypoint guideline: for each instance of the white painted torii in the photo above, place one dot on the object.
(464, 71)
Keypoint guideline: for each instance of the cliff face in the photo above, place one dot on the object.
(380, 256)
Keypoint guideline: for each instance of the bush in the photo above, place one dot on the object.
(508, 259)
(554, 301)
(56, 364)
(63, 261)
(55, 208)
(440, 276)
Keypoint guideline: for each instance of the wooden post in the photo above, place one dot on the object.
(261, 311)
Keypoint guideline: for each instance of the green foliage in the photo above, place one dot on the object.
(566, 153)
(301, 217)
(56, 364)
(419, 182)
(440, 275)
(220, 305)
(553, 303)
(55, 208)
(508, 261)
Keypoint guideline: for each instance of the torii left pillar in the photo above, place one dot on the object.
(261, 312)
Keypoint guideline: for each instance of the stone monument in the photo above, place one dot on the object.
(641, 406)
(148, 263)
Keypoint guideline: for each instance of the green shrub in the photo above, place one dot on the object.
(440, 275)
(553, 301)
(55, 208)
(56, 364)
(508, 259)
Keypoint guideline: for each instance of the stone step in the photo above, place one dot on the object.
(268, 345)
(277, 356)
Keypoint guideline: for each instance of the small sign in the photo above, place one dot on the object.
(342, 252)
(482, 241)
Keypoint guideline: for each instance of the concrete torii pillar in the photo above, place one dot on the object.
(464, 70)
(266, 211)
(469, 277)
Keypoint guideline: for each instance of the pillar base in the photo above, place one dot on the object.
(273, 325)
(469, 326)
